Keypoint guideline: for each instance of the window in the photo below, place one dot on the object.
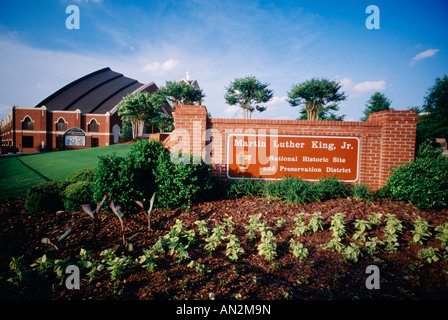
(61, 125)
(27, 124)
(93, 126)
(27, 142)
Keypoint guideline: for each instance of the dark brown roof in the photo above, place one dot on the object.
(98, 92)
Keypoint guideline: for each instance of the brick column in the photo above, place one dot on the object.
(397, 139)
(190, 123)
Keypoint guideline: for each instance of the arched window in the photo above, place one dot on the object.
(27, 123)
(93, 126)
(61, 125)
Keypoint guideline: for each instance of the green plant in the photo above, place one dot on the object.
(372, 245)
(182, 181)
(392, 230)
(19, 271)
(280, 222)
(76, 194)
(421, 230)
(361, 191)
(94, 213)
(131, 177)
(149, 211)
(45, 196)
(42, 265)
(291, 190)
(233, 247)
(215, 239)
(331, 188)
(375, 218)
(88, 264)
(316, 222)
(119, 213)
(361, 226)
(429, 254)
(298, 250)
(422, 182)
(254, 225)
(116, 265)
(267, 245)
(87, 174)
(199, 267)
(300, 226)
(244, 187)
(150, 255)
(59, 267)
(442, 235)
(351, 252)
(202, 227)
(229, 224)
(173, 241)
(337, 226)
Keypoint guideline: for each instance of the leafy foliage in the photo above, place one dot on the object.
(181, 93)
(139, 108)
(45, 196)
(315, 96)
(77, 194)
(423, 182)
(86, 174)
(249, 93)
(291, 190)
(433, 118)
(377, 102)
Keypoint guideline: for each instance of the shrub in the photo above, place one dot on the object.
(244, 187)
(361, 191)
(182, 184)
(107, 178)
(423, 182)
(292, 190)
(77, 194)
(45, 196)
(331, 188)
(147, 169)
(86, 174)
(130, 178)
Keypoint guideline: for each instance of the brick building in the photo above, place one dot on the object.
(82, 114)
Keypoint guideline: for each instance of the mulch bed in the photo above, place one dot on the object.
(323, 274)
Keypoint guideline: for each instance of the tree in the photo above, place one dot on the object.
(324, 114)
(164, 122)
(248, 93)
(138, 108)
(316, 95)
(433, 120)
(377, 102)
(180, 93)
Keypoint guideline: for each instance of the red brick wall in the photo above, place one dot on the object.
(387, 139)
(44, 131)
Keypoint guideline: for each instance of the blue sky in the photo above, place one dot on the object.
(282, 43)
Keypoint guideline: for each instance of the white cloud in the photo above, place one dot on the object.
(277, 100)
(355, 90)
(423, 55)
(158, 67)
(233, 111)
(369, 86)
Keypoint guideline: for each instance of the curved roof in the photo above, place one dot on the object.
(98, 92)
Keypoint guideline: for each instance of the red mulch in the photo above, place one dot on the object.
(323, 275)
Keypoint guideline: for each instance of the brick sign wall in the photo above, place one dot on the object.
(353, 151)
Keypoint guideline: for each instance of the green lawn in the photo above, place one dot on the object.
(18, 173)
